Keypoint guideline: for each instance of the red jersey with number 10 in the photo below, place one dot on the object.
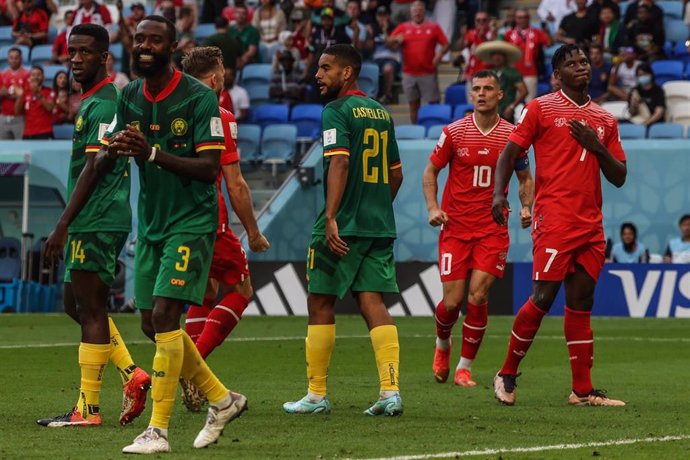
(567, 178)
(468, 194)
(227, 156)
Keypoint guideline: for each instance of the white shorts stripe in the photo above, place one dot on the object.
(520, 338)
(223, 307)
(474, 327)
(577, 342)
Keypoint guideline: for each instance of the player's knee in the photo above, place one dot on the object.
(543, 300)
(479, 296)
(452, 304)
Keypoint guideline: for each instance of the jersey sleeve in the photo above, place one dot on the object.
(208, 127)
(528, 125)
(97, 124)
(116, 122)
(400, 28)
(230, 154)
(336, 133)
(443, 151)
(613, 142)
(440, 36)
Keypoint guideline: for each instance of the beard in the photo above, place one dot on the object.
(160, 61)
(331, 93)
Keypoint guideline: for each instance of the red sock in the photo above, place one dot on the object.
(220, 322)
(473, 329)
(195, 320)
(580, 340)
(445, 320)
(525, 327)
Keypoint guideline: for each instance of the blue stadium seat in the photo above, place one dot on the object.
(49, 72)
(672, 9)
(666, 131)
(271, 114)
(543, 88)
(460, 111)
(632, 131)
(52, 34)
(667, 70)
(40, 54)
(409, 132)
(455, 95)
(258, 93)
(256, 73)
(368, 80)
(307, 118)
(676, 29)
(26, 53)
(433, 114)
(117, 50)
(203, 31)
(6, 34)
(434, 132)
(279, 143)
(668, 48)
(548, 70)
(10, 259)
(249, 141)
(64, 131)
(680, 51)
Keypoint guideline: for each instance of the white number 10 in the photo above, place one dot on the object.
(482, 176)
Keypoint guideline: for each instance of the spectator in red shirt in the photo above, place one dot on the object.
(418, 40)
(90, 12)
(531, 41)
(37, 103)
(31, 26)
(473, 38)
(60, 55)
(11, 80)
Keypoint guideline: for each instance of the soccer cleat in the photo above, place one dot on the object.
(594, 398)
(71, 418)
(463, 378)
(151, 441)
(307, 406)
(391, 406)
(134, 396)
(192, 397)
(504, 388)
(441, 365)
(218, 418)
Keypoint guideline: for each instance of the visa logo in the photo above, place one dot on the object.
(672, 291)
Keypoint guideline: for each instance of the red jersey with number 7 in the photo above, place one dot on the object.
(567, 177)
(227, 156)
(468, 194)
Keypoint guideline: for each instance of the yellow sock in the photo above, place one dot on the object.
(92, 360)
(196, 370)
(166, 372)
(120, 356)
(318, 349)
(387, 351)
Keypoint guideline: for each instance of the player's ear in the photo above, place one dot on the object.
(347, 72)
(173, 46)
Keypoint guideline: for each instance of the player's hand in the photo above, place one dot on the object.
(258, 243)
(584, 135)
(335, 244)
(437, 216)
(498, 207)
(525, 217)
(54, 248)
(132, 143)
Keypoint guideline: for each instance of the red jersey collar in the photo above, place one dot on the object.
(99, 85)
(565, 96)
(174, 81)
(355, 92)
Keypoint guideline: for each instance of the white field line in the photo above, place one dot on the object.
(366, 336)
(515, 450)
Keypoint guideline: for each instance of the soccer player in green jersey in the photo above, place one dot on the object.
(95, 225)
(170, 124)
(352, 240)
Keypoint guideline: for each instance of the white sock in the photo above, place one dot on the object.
(465, 363)
(443, 344)
(314, 397)
(387, 394)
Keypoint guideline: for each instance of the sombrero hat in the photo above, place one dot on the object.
(486, 49)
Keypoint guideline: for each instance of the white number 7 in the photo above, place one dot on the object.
(554, 253)
(584, 154)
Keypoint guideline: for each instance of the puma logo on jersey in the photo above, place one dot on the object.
(484, 151)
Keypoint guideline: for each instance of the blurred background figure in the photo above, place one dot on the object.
(678, 249)
(629, 250)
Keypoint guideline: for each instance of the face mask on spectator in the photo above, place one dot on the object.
(643, 80)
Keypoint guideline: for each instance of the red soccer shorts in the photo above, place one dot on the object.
(556, 252)
(457, 255)
(229, 264)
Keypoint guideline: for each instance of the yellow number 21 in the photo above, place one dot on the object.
(373, 139)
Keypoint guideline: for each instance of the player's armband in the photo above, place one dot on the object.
(522, 163)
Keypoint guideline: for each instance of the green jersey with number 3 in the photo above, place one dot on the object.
(108, 207)
(361, 128)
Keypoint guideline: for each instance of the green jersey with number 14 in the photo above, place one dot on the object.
(359, 127)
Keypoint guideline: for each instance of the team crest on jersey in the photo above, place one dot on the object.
(79, 125)
(179, 127)
(136, 125)
(560, 122)
(600, 132)
(464, 152)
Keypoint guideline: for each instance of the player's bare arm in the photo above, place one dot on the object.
(337, 178)
(437, 216)
(504, 170)
(614, 170)
(133, 143)
(396, 178)
(526, 194)
(241, 201)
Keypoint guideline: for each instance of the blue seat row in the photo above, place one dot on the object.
(276, 142)
(441, 114)
(655, 131)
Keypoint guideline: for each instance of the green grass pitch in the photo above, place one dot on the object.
(645, 362)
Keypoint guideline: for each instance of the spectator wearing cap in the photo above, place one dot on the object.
(248, 35)
(226, 42)
(468, 43)
(647, 100)
(578, 27)
(339, 16)
(624, 75)
(418, 39)
(287, 45)
(60, 55)
(601, 71)
(301, 30)
(323, 36)
(611, 35)
(137, 13)
(387, 59)
(502, 56)
(270, 21)
(31, 26)
(13, 82)
(36, 102)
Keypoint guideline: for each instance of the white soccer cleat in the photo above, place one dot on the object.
(218, 418)
(151, 441)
